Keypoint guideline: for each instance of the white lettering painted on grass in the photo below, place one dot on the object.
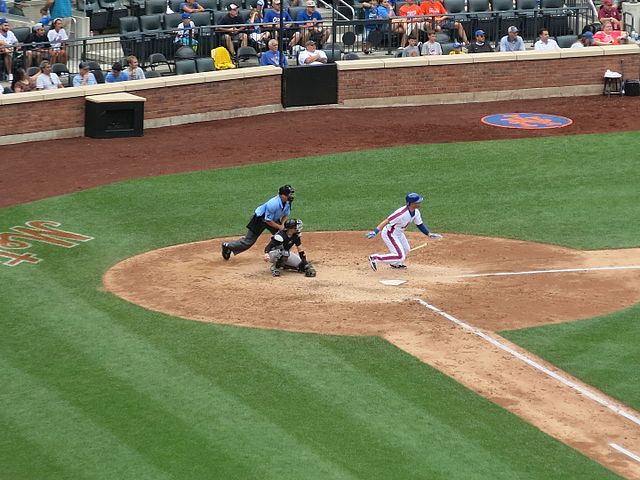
(569, 383)
(629, 454)
(563, 270)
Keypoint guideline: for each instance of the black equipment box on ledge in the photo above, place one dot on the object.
(632, 88)
(114, 115)
(310, 85)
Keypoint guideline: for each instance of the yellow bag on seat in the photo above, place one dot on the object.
(222, 59)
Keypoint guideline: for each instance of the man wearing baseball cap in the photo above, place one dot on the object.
(233, 33)
(584, 40)
(312, 28)
(608, 11)
(8, 42)
(480, 45)
(85, 77)
(36, 46)
(512, 42)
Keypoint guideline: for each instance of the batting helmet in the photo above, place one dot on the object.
(287, 190)
(293, 223)
(414, 198)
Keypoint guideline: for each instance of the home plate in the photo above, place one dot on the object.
(393, 283)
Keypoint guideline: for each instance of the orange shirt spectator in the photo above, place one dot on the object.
(410, 10)
(433, 8)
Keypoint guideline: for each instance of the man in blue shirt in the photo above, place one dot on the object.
(512, 42)
(85, 77)
(273, 56)
(312, 27)
(271, 216)
(290, 29)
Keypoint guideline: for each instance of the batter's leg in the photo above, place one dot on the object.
(394, 242)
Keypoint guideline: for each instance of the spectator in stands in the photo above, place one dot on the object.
(608, 11)
(257, 34)
(457, 49)
(185, 35)
(231, 27)
(23, 82)
(438, 19)
(512, 42)
(59, 8)
(431, 46)
(57, 38)
(273, 56)
(545, 42)
(36, 46)
(116, 74)
(396, 25)
(191, 6)
(8, 42)
(609, 36)
(312, 55)
(312, 28)
(480, 45)
(85, 77)
(584, 40)
(134, 72)
(47, 80)
(413, 14)
(373, 13)
(273, 16)
(412, 49)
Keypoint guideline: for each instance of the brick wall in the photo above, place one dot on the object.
(443, 79)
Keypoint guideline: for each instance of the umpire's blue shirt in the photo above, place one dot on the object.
(274, 209)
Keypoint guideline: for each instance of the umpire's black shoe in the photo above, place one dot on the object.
(226, 251)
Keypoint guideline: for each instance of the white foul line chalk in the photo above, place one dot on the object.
(629, 454)
(578, 388)
(563, 270)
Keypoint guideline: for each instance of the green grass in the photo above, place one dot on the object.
(94, 387)
(602, 351)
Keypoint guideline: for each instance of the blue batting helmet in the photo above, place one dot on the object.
(414, 198)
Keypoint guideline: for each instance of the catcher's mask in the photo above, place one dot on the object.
(287, 190)
(293, 223)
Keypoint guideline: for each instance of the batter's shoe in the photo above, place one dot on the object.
(399, 266)
(372, 262)
(226, 251)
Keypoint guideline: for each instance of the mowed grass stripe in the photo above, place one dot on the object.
(74, 442)
(203, 424)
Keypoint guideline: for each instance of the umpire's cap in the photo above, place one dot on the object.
(414, 198)
(287, 190)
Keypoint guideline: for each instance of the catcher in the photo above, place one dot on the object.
(278, 251)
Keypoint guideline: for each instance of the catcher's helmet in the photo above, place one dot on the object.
(414, 198)
(287, 190)
(293, 223)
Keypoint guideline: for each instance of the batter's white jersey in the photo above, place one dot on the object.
(394, 237)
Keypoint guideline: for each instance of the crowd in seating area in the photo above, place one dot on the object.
(273, 32)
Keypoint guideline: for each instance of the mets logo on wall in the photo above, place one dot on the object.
(530, 121)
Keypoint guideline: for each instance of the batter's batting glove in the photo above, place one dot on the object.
(435, 235)
(373, 234)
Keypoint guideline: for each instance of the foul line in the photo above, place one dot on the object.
(534, 272)
(578, 388)
(629, 454)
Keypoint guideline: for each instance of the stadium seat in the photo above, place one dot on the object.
(565, 41)
(446, 48)
(333, 55)
(21, 33)
(185, 53)
(481, 17)
(351, 56)
(129, 26)
(155, 7)
(247, 57)
(152, 74)
(31, 71)
(151, 23)
(157, 59)
(223, 4)
(209, 5)
(555, 18)
(171, 20)
(201, 19)
(205, 64)
(184, 67)
(454, 6)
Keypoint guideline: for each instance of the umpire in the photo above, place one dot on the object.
(271, 215)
